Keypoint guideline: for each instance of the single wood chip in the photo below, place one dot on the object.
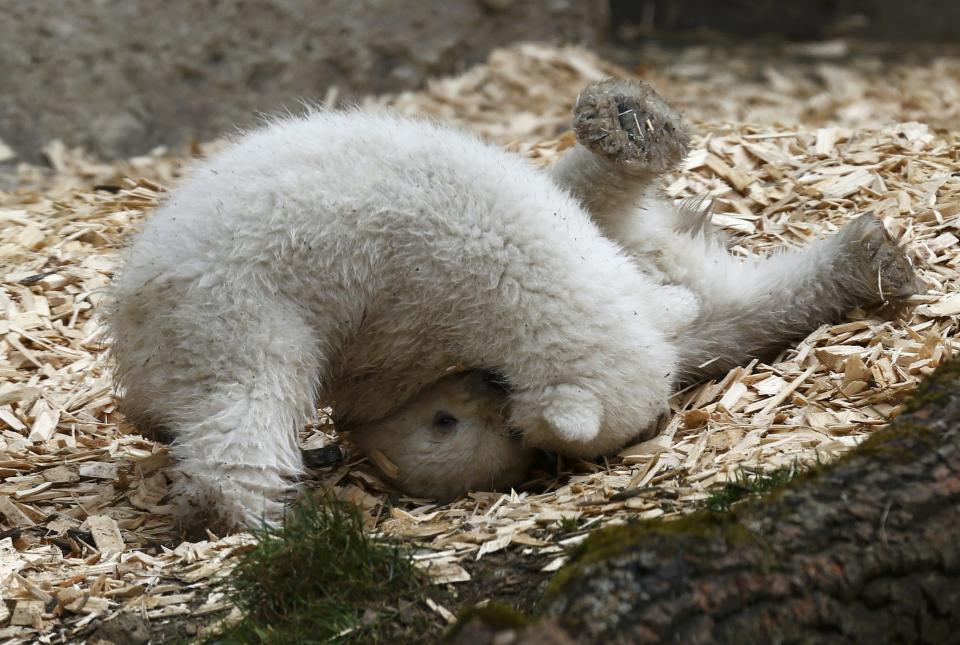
(106, 534)
(383, 462)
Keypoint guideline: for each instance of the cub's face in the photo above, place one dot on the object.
(451, 438)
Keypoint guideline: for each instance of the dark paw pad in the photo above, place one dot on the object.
(629, 123)
(884, 268)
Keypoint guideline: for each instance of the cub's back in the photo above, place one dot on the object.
(324, 178)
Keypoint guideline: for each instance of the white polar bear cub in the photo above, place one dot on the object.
(352, 258)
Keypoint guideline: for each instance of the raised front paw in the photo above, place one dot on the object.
(880, 268)
(628, 123)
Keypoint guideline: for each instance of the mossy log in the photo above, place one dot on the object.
(866, 549)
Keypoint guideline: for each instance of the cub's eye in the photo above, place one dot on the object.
(445, 421)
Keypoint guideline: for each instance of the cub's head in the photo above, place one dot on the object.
(451, 438)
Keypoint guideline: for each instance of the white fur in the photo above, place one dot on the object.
(469, 450)
(352, 258)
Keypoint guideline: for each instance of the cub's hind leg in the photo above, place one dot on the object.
(754, 308)
(627, 137)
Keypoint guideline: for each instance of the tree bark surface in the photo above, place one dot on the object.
(864, 550)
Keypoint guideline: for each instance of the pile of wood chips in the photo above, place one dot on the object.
(788, 151)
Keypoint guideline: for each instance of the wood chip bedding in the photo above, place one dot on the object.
(786, 152)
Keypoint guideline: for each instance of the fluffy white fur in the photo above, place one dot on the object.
(352, 258)
(450, 439)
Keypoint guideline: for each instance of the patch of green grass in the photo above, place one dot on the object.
(569, 524)
(749, 484)
(321, 579)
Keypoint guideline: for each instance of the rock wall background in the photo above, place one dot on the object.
(122, 76)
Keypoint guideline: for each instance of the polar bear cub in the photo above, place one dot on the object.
(451, 438)
(350, 258)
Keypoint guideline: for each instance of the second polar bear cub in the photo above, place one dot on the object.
(627, 136)
(351, 258)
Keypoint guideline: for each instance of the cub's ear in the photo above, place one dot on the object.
(557, 415)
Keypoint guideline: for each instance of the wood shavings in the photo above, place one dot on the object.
(388, 468)
(445, 613)
(948, 306)
(44, 422)
(87, 493)
(443, 572)
(736, 177)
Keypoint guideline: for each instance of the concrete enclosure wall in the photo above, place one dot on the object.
(121, 76)
(884, 20)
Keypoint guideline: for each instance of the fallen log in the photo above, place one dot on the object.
(865, 549)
